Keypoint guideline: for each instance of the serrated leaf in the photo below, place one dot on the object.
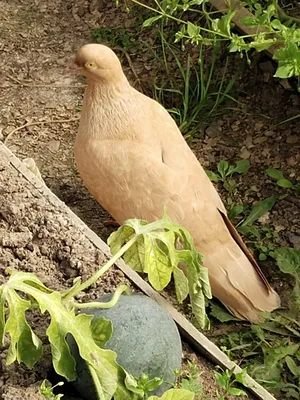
(181, 285)
(175, 394)
(259, 209)
(64, 322)
(285, 183)
(161, 257)
(25, 346)
(157, 264)
(274, 173)
(212, 176)
(101, 329)
(150, 21)
(288, 260)
(220, 313)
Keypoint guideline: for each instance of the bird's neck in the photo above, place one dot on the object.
(105, 110)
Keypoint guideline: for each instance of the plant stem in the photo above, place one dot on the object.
(101, 271)
(98, 387)
(109, 304)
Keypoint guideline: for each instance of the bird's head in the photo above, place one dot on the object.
(99, 62)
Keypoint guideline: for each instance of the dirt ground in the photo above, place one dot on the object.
(38, 41)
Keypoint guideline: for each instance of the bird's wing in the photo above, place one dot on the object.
(173, 143)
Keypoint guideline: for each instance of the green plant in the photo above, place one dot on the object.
(202, 90)
(116, 36)
(148, 248)
(46, 390)
(281, 181)
(272, 29)
(189, 379)
(227, 380)
(263, 239)
(151, 251)
(142, 386)
(270, 350)
(225, 171)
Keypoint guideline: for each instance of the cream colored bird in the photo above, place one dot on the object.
(134, 161)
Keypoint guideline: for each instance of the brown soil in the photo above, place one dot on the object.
(38, 40)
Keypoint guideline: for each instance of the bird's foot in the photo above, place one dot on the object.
(111, 222)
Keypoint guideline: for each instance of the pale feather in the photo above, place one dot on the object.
(134, 161)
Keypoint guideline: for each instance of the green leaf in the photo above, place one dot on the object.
(150, 21)
(240, 377)
(285, 183)
(288, 58)
(101, 330)
(223, 167)
(274, 173)
(225, 23)
(157, 264)
(236, 392)
(161, 257)
(222, 379)
(249, 21)
(181, 285)
(284, 71)
(62, 323)
(288, 260)
(249, 231)
(259, 209)
(235, 211)
(175, 394)
(212, 176)
(135, 255)
(220, 313)
(292, 366)
(153, 384)
(132, 385)
(272, 367)
(242, 166)
(192, 30)
(192, 385)
(25, 346)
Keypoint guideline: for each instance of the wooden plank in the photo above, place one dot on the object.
(196, 339)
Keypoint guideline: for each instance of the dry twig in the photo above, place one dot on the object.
(58, 121)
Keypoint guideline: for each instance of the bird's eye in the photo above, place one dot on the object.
(90, 64)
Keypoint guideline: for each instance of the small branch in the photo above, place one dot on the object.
(58, 121)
